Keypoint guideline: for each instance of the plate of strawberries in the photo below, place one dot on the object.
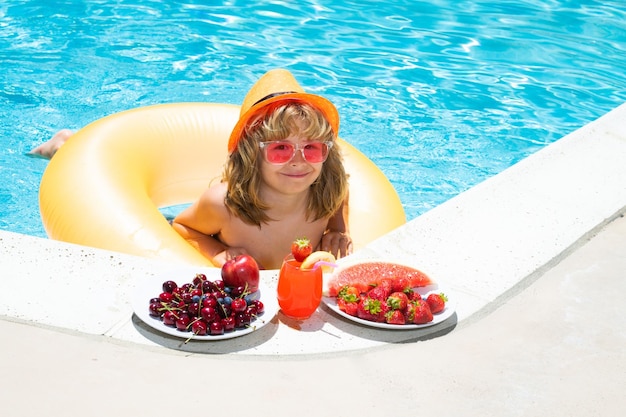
(387, 295)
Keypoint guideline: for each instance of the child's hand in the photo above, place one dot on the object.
(337, 243)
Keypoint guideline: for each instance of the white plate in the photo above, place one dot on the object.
(331, 302)
(151, 288)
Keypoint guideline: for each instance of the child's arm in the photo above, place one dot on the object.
(205, 244)
(199, 223)
(336, 238)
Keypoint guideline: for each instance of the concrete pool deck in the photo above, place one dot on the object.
(534, 258)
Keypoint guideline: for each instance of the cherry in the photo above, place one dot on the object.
(169, 318)
(183, 322)
(199, 327)
(237, 291)
(238, 305)
(251, 309)
(209, 301)
(216, 328)
(198, 279)
(228, 323)
(193, 309)
(260, 307)
(169, 286)
(209, 314)
(166, 297)
(208, 286)
(224, 310)
(242, 319)
(219, 284)
(187, 297)
(155, 309)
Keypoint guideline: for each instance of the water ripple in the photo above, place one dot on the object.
(440, 94)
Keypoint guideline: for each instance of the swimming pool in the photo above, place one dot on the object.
(441, 94)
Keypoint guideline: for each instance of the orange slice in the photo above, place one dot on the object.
(320, 258)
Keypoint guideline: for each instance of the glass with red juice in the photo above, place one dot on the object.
(299, 290)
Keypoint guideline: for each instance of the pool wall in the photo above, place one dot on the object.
(484, 246)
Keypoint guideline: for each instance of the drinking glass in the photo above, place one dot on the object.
(299, 290)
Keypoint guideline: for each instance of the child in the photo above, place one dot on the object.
(284, 179)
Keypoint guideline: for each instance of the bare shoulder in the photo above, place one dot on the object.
(208, 214)
(214, 196)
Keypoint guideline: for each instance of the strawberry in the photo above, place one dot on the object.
(301, 248)
(397, 301)
(401, 284)
(371, 309)
(381, 291)
(436, 302)
(347, 300)
(413, 295)
(349, 307)
(418, 312)
(387, 285)
(395, 317)
(377, 293)
(349, 294)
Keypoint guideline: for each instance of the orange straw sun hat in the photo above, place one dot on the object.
(278, 85)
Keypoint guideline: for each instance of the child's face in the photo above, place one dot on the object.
(296, 175)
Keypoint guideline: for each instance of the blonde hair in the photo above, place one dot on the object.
(277, 122)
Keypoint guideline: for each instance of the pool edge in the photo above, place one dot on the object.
(485, 244)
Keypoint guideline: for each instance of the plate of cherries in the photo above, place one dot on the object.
(201, 306)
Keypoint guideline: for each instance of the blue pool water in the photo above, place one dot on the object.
(441, 94)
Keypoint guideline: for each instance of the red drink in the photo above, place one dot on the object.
(299, 290)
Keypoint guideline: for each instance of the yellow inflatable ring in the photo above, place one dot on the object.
(105, 186)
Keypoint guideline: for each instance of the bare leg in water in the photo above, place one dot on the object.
(49, 148)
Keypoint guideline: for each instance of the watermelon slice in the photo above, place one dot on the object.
(366, 275)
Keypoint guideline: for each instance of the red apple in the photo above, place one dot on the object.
(241, 271)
